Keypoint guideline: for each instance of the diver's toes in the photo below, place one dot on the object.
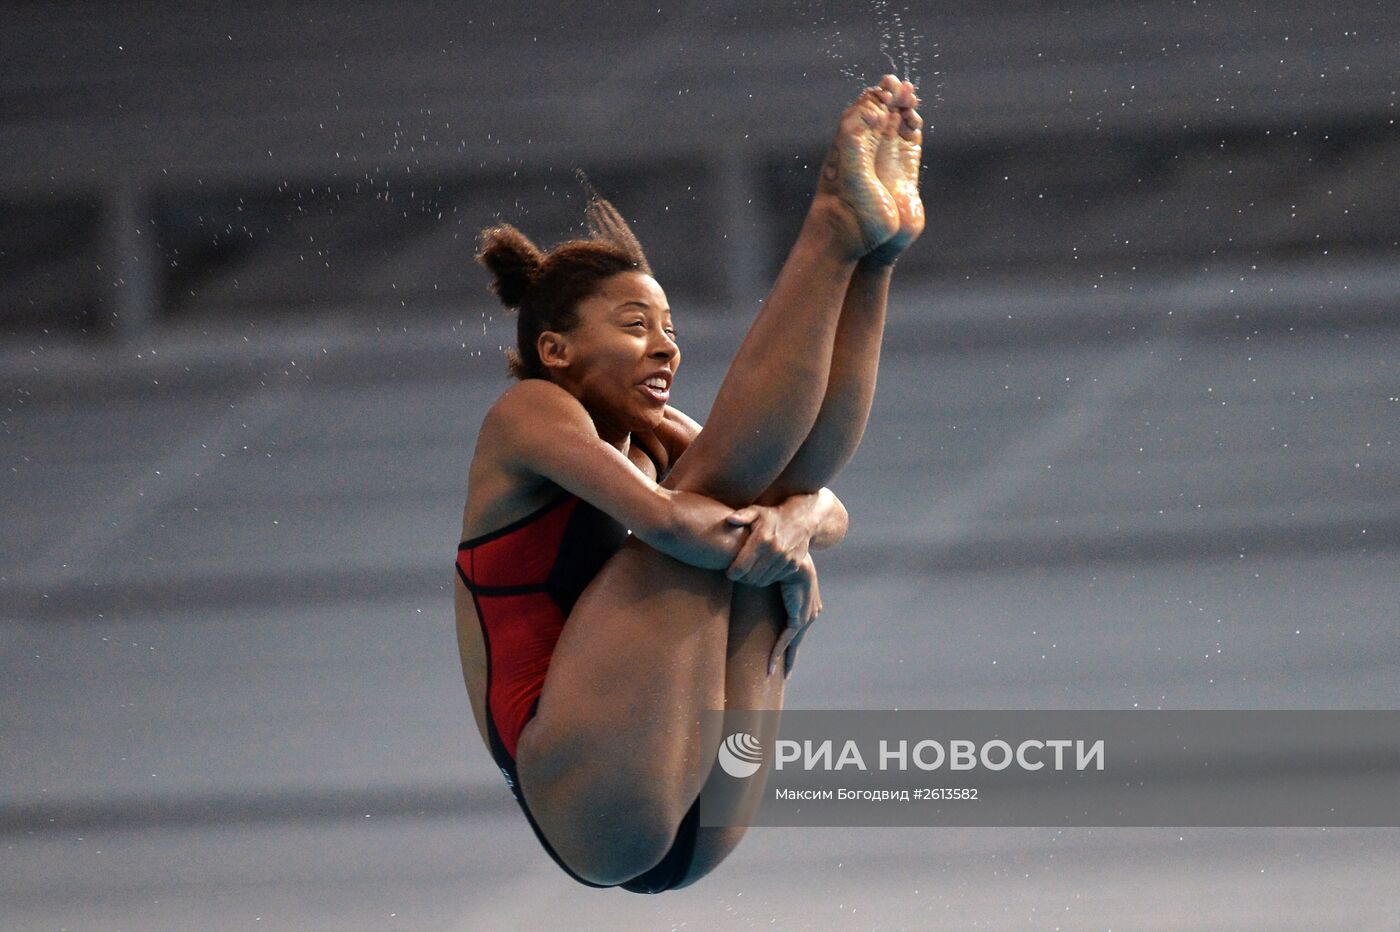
(872, 112)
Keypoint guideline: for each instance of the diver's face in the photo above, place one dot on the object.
(620, 359)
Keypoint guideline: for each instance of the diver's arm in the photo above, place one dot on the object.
(821, 513)
(539, 429)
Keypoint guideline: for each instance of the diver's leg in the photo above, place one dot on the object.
(757, 617)
(850, 389)
(855, 357)
(774, 389)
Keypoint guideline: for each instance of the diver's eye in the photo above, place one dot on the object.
(637, 323)
(671, 332)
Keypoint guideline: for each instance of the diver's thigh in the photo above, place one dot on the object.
(645, 641)
(612, 759)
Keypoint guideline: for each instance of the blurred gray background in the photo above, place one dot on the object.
(1136, 443)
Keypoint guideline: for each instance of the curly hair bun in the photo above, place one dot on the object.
(514, 262)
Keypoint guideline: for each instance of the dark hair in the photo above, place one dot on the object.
(545, 288)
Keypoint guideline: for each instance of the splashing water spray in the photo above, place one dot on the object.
(899, 45)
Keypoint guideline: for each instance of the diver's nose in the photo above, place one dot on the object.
(664, 346)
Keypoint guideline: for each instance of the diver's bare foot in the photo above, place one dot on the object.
(850, 187)
(897, 166)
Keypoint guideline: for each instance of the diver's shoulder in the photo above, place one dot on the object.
(531, 399)
(526, 407)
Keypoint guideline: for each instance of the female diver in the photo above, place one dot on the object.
(590, 653)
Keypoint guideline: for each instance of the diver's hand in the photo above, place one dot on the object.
(778, 540)
(802, 600)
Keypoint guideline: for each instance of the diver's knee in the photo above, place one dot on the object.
(611, 841)
(608, 827)
(712, 846)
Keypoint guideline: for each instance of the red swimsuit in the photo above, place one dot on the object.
(524, 580)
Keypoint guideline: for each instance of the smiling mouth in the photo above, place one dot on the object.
(656, 388)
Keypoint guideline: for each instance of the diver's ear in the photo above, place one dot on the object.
(553, 349)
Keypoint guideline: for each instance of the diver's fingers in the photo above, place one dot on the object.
(780, 648)
(790, 655)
